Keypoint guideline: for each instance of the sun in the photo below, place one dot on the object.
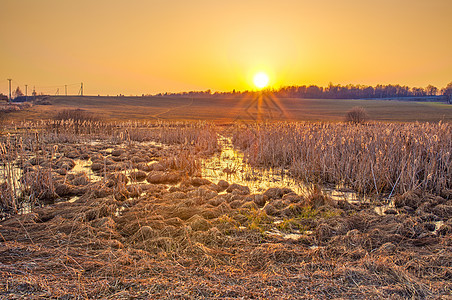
(260, 80)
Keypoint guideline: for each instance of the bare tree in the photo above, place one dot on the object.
(357, 115)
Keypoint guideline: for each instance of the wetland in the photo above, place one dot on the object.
(194, 210)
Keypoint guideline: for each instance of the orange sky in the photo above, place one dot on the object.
(150, 46)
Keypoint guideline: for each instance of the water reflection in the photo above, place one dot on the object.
(84, 166)
(230, 165)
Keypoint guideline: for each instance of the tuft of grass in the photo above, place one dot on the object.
(258, 220)
(289, 225)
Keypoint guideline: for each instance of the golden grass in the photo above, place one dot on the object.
(372, 158)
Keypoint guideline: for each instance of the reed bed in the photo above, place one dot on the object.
(27, 166)
(34, 146)
(371, 158)
(200, 134)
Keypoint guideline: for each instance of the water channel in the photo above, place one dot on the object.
(229, 164)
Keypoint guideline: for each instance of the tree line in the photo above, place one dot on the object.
(332, 91)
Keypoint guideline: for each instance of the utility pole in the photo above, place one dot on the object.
(65, 89)
(9, 90)
(81, 89)
(26, 92)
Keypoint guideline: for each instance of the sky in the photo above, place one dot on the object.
(135, 47)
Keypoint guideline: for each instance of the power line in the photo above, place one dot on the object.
(46, 89)
(56, 86)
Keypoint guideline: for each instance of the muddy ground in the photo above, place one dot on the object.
(160, 231)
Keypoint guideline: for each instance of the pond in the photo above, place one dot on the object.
(229, 164)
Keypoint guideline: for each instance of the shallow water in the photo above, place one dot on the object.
(84, 166)
(230, 165)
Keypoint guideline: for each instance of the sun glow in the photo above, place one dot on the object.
(260, 80)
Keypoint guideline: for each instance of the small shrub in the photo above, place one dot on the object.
(75, 115)
(357, 115)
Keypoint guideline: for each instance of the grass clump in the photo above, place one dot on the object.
(289, 225)
(258, 220)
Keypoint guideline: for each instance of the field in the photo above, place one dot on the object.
(115, 207)
(226, 110)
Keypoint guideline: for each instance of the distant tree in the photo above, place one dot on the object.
(431, 90)
(418, 91)
(332, 90)
(313, 91)
(369, 92)
(379, 91)
(447, 91)
(18, 93)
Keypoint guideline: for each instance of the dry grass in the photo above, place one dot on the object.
(170, 240)
(161, 246)
(32, 157)
(374, 158)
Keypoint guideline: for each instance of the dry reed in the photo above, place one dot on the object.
(372, 158)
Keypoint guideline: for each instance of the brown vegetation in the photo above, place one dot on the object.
(357, 115)
(377, 158)
(172, 242)
(141, 223)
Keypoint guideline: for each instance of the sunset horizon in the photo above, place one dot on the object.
(150, 47)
